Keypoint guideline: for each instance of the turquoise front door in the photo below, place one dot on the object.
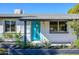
(35, 30)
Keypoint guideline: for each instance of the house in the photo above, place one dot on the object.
(36, 27)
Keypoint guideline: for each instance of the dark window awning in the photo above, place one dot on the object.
(45, 19)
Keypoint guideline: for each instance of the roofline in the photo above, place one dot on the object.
(41, 16)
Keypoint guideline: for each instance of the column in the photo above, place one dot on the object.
(25, 38)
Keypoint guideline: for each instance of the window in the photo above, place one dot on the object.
(53, 26)
(62, 26)
(58, 26)
(10, 26)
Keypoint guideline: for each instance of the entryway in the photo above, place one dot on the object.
(35, 30)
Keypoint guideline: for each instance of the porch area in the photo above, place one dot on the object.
(42, 30)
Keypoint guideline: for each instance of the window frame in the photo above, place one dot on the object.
(58, 27)
(10, 26)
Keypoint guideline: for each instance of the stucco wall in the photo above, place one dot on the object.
(57, 37)
(53, 37)
(1, 27)
(20, 27)
(29, 30)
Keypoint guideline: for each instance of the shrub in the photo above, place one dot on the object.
(17, 37)
(46, 45)
(8, 35)
(29, 44)
(35, 44)
(2, 51)
(76, 43)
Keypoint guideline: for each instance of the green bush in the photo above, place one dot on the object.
(17, 37)
(2, 51)
(76, 43)
(8, 35)
(46, 45)
(30, 45)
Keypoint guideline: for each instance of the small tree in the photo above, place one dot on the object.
(75, 23)
(74, 9)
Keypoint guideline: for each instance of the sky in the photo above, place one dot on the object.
(36, 8)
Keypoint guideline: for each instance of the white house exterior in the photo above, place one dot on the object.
(54, 27)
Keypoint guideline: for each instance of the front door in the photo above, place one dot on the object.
(35, 30)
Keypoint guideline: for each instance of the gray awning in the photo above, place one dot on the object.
(63, 17)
